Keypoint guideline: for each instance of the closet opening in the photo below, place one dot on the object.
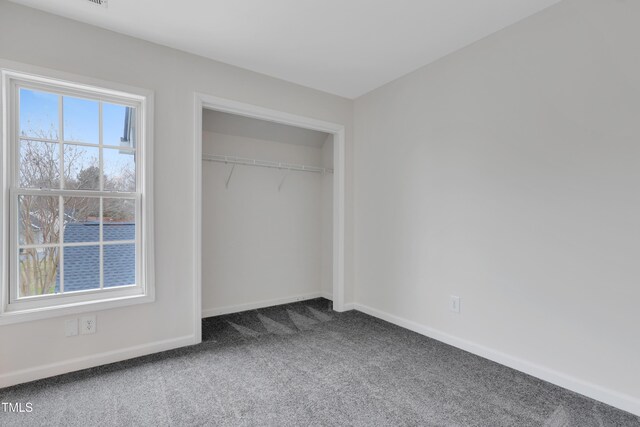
(271, 220)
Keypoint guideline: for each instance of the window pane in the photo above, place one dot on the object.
(119, 170)
(81, 219)
(38, 114)
(38, 219)
(81, 268)
(118, 125)
(38, 271)
(39, 164)
(119, 265)
(119, 219)
(81, 120)
(81, 167)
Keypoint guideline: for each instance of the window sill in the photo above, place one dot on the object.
(28, 315)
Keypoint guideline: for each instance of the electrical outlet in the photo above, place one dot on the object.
(454, 303)
(87, 325)
(71, 327)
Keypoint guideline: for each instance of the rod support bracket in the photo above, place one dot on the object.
(226, 185)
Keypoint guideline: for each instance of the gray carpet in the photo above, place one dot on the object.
(303, 364)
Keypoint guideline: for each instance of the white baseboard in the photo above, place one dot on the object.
(208, 312)
(76, 364)
(349, 306)
(345, 307)
(610, 397)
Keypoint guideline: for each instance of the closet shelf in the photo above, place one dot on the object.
(232, 160)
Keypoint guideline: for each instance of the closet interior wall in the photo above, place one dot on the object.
(267, 232)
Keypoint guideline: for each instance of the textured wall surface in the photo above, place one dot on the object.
(508, 174)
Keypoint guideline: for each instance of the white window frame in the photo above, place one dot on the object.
(13, 309)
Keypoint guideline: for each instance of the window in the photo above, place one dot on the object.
(77, 168)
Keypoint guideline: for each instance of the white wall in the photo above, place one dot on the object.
(508, 173)
(34, 349)
(259, 244)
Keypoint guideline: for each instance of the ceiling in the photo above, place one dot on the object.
(232, 124)
(344, 47)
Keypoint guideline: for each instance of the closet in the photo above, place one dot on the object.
(267, 194)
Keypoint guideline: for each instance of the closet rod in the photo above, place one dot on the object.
(264, 163)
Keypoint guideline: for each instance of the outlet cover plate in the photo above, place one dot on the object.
(71, 327)
(87, 325)
(454, 303)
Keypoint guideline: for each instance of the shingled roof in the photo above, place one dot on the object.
(82, 263)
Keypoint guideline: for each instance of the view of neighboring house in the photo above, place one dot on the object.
(82, 264)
